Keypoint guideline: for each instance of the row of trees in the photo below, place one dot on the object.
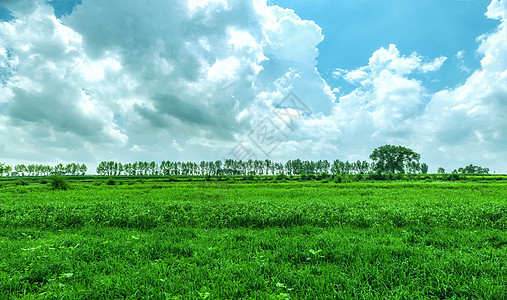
(44, 170)
(233, 167)
(249, 167)
(387, 159)
(470, 169)
(5, 170)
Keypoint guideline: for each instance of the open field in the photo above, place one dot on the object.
(230, 240)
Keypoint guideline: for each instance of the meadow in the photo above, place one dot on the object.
(133, 238)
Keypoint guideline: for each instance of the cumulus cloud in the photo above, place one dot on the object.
(125, 80)
(451, 127)
(46, 101)
(122, 74)
(468, 122)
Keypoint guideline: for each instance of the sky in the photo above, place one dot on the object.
(187, 80)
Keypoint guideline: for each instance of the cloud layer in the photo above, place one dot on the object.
(189, 80)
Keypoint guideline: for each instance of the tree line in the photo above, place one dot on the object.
(232, 167)
(387, 159)
(43, 170)
(247, 167)
(470, 169)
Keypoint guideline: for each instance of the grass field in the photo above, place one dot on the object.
(230, 240)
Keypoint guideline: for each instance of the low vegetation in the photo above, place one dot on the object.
(154, 238)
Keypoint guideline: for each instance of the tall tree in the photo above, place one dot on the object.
(83, 169)
(393, 159)
(21, 169)
(424, 168)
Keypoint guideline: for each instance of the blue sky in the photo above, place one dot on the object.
(91, 80)
(353, 30)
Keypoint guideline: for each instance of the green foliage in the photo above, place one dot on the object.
(424, 168)
(172, 179)
(337, 178)
(21, 182)
(471, 169)
(248, 178)
(58, 183)
(281, 177)
(110, 181)
(262, 240)
(394, 159)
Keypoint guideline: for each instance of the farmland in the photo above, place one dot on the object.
(154, 238)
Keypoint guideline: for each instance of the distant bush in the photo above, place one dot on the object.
(110, 181)
(396, 176)
(172, 179)
(347, 178)
(307, 177)
(322, 176)
(452, 177)
(21, 182)
(281, 177)
(58, 183)
(248, 177)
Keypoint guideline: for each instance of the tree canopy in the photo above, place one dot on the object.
(395, 159)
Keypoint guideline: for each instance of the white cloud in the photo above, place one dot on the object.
(460, 58)
(140, 73)
(469, 121)
(142, 79)
(435, 65)
(451, 127)
(177, 146)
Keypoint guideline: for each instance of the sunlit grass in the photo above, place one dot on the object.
(217, 240)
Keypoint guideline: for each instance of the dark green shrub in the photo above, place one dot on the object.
(171, 179)
(337, 178)
(396, 176)
(322, 176)
(347, 178)
(452, 177)
(307, 177)
(21, 182)
(281, 177)
(248, 177)
(110, 181)
(58, 183)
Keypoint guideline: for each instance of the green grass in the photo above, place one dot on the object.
(231, 240)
